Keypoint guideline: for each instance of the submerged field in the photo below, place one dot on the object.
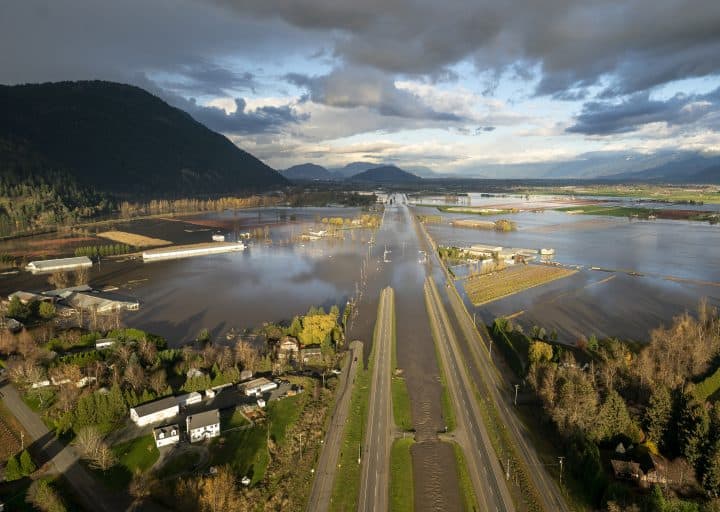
(489, 287)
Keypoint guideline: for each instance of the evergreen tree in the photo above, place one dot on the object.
(614, 419)
(658, 415)
(692, 428)
(27, 466)
(12, 470)
(711, 476)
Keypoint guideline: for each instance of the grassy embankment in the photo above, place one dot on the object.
(400, 398)
(401, 476)
(466, 487)
(347, 476)
(489, 287)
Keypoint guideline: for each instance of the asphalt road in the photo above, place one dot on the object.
(64, 459)
(327, 462)
(375, 474)
(481, 367)
(485, 471)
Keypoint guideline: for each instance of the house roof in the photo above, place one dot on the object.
(61, 262)
(100, 301)
(203, 419)
(624, 467)
(166, 431)
(156, 406)
(260, 381)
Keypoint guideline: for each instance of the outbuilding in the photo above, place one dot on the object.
(260, 385)
(154, 412)
(61, 264)
(203, 425)
(189, 399)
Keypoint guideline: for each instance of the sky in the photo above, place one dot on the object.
(457, 86)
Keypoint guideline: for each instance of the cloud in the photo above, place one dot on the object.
(627, 46)
(638, 110)
(351, 87)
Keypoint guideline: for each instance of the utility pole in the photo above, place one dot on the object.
(22, 440)
(491, 342)
(507, 471)
(516, 392)
(561, 459)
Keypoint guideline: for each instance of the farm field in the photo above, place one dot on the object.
(133, 239)
(489, 287)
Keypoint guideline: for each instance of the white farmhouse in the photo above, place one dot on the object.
(167, 435)
(154, 412)
(203, 425)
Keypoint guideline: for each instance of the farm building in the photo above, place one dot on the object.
(62, 264)
(187, 251)
(287, 348)
(203, 425)
(153, 412)
(260, 385)
(189, 399)
(166, 435)
(101, 302)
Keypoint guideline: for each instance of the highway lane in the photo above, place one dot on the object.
(375, 475)
(321, 493)
(486, 473)
(481, 367)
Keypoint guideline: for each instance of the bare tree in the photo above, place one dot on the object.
(246, 355)
(135, 376)
(158, 381)
(218, 493)
(59, 280)
(88, 441)
(82, 276)
(104, 458)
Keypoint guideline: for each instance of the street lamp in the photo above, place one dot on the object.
(516, 392)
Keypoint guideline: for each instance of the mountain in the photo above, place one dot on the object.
(709, 175)
(352, 169)
(123, 140)
(681, 167)
(385, 174)
(308, 172)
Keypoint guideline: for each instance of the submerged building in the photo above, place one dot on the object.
(59, 265)
(188, 251)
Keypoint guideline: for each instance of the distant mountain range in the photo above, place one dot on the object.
(120, 139)
(355, 172)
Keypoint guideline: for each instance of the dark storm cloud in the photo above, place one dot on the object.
(366, 87)
(604, 118)
(628, 46)
(210, 79)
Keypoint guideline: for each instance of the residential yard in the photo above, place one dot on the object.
(489, 287)
(10, 430)
(402, 491)
(137, 455)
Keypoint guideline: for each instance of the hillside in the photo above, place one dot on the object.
(122, 140)
(308, 172)
(385, 174)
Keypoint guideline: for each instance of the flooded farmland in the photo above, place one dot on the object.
(645, 271)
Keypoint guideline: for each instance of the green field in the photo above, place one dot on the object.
(466, 486)
(401, 476)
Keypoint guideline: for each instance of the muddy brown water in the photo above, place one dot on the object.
(674, 263)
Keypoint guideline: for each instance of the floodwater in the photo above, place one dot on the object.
(652, 270)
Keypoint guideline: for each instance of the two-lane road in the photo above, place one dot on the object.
(375, 475)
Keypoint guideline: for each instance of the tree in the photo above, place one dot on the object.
(218, 493)
(539, 351)
(158, 382)
(44, 497)
(88, 440)
(614, 420)
(82, 276)
(27, 466)
(47, 310)
(711, 476)
(12, 469)
(18, 310)
(658, 414)
(104, 458)
(692, 428)
(59, 280)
